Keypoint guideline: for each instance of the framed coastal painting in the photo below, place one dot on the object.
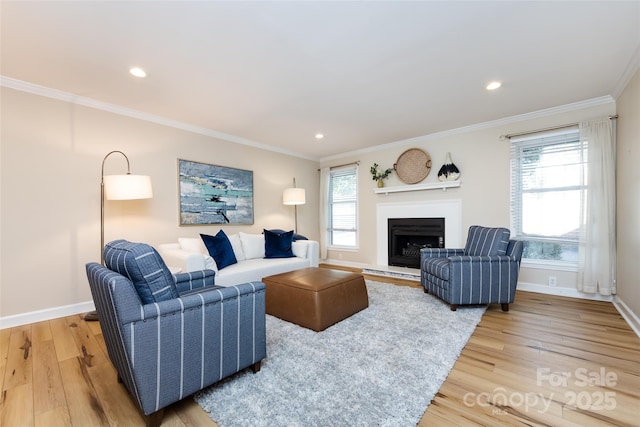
(212, 194)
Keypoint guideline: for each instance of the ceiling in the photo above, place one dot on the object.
(362, 73)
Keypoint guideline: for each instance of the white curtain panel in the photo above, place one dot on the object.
(597, 254)
(324, 197)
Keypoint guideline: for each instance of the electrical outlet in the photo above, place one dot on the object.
(552, 281)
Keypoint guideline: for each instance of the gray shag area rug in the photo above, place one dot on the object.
(380, 367)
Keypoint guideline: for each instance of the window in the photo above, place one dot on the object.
(343, 208)
(548, 192)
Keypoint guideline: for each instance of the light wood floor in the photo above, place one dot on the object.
(530, 366)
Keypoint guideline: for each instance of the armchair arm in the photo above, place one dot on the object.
(196, 301)
(439, 252)
(194, 280)
(486, 259)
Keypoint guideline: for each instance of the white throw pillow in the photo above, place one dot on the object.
(299, 249)
(236, 245)
(192, 245)
(252, 245)
(210, 263)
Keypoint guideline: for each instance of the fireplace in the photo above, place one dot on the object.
(450, 210)
(406, 236)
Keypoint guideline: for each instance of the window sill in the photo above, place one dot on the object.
(549, 265)
(343, 248)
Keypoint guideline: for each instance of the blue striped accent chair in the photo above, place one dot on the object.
(484, 272)
(188, 335)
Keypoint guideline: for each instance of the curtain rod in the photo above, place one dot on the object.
(357, 162)
(512, 135)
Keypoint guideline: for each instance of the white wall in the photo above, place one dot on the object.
(628, 195)
(51, 152)
(483, 160)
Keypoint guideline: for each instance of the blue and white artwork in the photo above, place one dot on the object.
(211, 194)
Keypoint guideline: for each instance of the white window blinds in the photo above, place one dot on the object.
(548, 192)
(343, 208)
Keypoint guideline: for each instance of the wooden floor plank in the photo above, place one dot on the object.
(18, 370)
(5, 335)
(65, 345)
(16, 406)
(48, 395)
(86, 344)
(114, 398)
(56, 417)
(85, 409)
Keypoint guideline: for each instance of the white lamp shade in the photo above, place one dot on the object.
(127, 187)
(293, 196)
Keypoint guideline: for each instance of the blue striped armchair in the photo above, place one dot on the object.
(484, 272)
(169, 336)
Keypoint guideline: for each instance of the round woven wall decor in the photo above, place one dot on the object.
(413, 166)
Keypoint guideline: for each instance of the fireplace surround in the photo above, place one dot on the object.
(450, 209)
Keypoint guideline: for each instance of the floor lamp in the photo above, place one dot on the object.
(119, 187)
(294, 196)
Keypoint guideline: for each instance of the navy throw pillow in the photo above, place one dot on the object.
(296, 236)
(220, 249)
(278, 245)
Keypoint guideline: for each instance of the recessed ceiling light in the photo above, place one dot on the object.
(138, 72)
(319, 136)
(493, 85)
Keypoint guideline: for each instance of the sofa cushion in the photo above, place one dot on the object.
(252, 245)
(278, 245)
(141, 264)
(220, 249)
(483, 241)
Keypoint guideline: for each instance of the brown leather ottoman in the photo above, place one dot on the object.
(315, 298)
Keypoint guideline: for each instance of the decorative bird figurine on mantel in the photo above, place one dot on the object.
(448, 171)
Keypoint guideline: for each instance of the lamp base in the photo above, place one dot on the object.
(91, 316)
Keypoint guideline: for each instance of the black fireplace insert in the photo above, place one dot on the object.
(406, 236)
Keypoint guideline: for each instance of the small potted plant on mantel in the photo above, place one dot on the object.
(379, 176)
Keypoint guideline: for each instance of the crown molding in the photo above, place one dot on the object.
(603, 100)
(59, 95)
(627, 75)
(140, 115)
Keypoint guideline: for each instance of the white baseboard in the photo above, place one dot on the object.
(46, 314)
(378, 270)
(344, 263)
(562, 292)
(632, 319)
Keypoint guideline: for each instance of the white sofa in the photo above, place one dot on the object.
(190, 254)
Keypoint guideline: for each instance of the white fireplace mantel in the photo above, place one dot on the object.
(450, 210)
(433, 186)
